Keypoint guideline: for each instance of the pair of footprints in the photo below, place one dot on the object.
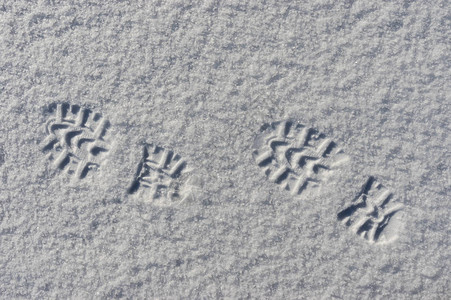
(291, 155)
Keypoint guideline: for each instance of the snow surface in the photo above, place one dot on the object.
(201, 79)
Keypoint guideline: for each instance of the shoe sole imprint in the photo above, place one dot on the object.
(163, 177)
(75, 139)
(370, 212)
(294, 156)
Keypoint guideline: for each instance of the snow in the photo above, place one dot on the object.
(200, 80)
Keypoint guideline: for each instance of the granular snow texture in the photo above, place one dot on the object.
(99, 100)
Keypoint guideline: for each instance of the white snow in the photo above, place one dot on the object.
(200, 80)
